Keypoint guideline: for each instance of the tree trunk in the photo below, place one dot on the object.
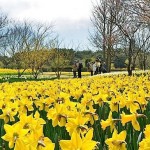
(129, 68)
(108, 62)
(58, 74)
(144, 62)
(19, 74)
(104, 36)
(129, 71)
(35, 76)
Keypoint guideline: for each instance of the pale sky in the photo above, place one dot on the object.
(71, 18)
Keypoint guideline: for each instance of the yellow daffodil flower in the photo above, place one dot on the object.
(78, 143)
(117, 142)
(109, 122)
(131, 118)
(77, 124)
(145, 143)
(36, 140)
(9, 112)
(57, 115)
(14, 133)
(90, 113)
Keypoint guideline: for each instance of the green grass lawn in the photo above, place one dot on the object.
(43, 76)
(51, 76)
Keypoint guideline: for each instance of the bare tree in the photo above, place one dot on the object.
(4, 22)
(28, 46)
(105, 35)
(99, 21)
(19, 34)
(143, 46)
(37, 46)
(142, 9)
(57, 57)
(118, 23)
(61, 56)
(128, 25)
(4, 30)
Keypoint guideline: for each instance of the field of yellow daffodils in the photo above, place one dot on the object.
(101, 112)
(13, 71)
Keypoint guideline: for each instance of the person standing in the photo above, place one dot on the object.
(91, 68)
(74, 69)
(104, 67)
(94, 68)
(100, 68)
(97, 66)
(79, 68)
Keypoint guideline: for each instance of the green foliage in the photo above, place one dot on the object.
(85, 54)
(6, 61)
(119, 61)
(1, 64)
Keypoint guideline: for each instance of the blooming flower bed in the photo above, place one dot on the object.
(102, 112)
(13, 71)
